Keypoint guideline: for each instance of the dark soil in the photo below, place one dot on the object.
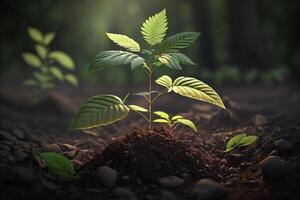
(142, 158)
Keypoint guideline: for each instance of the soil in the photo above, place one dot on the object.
(141, 160)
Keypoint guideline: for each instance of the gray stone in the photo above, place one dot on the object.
(273, 168)
(7, 136)
(18, 133)
(22, 175)
(171, 181)
(10, 143)
(259, 120)
(283, 146)
(107, 176)
(123, 192)
(4, 147)
(19, 155)
(3, 153)
(168, 195)
(207, 189)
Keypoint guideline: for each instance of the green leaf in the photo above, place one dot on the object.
(126, 97)
(48, 38)
(137, 108)
(72, 79)
(169, 61)
(165, 81)
(177, 42)
(30, 82)
(124, 41)
(62, 58)
(43, 78)
(114, 58)
(188, 123)
(55, 71)
(177, 117)
(32, 60)
(155, 27)
(35, 34)
(182, 59)
(234, 141)
(58, 164)
(161, 121)
(99, 110)
(246, 141)
(162, 114)
(41, 50)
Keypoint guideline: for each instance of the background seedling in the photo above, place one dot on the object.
(240, 140)
(47, 64)
(105, 109)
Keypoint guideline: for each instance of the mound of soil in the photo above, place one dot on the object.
(151, 155)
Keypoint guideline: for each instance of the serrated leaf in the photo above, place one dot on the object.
(48, 38)
(72, 79)
(114, 58)
(161, 121)
(35, 34)
(137, 108)
(162, 114)
(188, 123)
(234, 141)
(58, 164)
(154, 28)
(177, 42)
(32, 59)
(41, 50)
(169, 61)
(62, 58)
(165, 81)
(177, 117)
(30, 82)
(182, 59)
(56, 72)
(124, 41)
(99, 110)
(196, 89)
(246, 141)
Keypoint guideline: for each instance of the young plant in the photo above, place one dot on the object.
(174, 122)
(240, 140)
(46, 62)
(105, 109)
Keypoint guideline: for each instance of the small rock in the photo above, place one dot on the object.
(70, 154)
(232, 170)
(3, 153)
(18, 133)
(4, 147)
(283, 146)
(52, 148)
(207, 189)
(7, 136)
(168, 195)
(235, 157)
(22, 175)
(171, 181)
(19, 155)
(107, 176)
(68, 147)
(259, 120)
(273, 168)
(9, 143)
(223, 161)
(123, 192)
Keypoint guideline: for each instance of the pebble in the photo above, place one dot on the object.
(7, 136)
(107, 176)
(70, 154)
(22, 175)
(223, 161)
(283, 146)
(52, 148)
(18, 133)
(19, 155)
(232, 170)
(273, 168)
(123, 192)
(168, 195)
(208, 189)
(259, 120)
(171, 181)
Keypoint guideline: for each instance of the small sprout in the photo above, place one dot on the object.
(240, 140)
(58, 165)
(47, 64)
(174, 121)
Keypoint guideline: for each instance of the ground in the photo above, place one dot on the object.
(122, 161)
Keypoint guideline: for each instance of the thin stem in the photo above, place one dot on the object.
(150, 99)
(159, 94)
(144, 116)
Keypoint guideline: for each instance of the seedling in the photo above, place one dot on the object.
(241, 140)
(174, 121)
(105, 109)
(46, 62)
(58, 165)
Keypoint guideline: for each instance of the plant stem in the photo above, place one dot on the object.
(150, 98)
